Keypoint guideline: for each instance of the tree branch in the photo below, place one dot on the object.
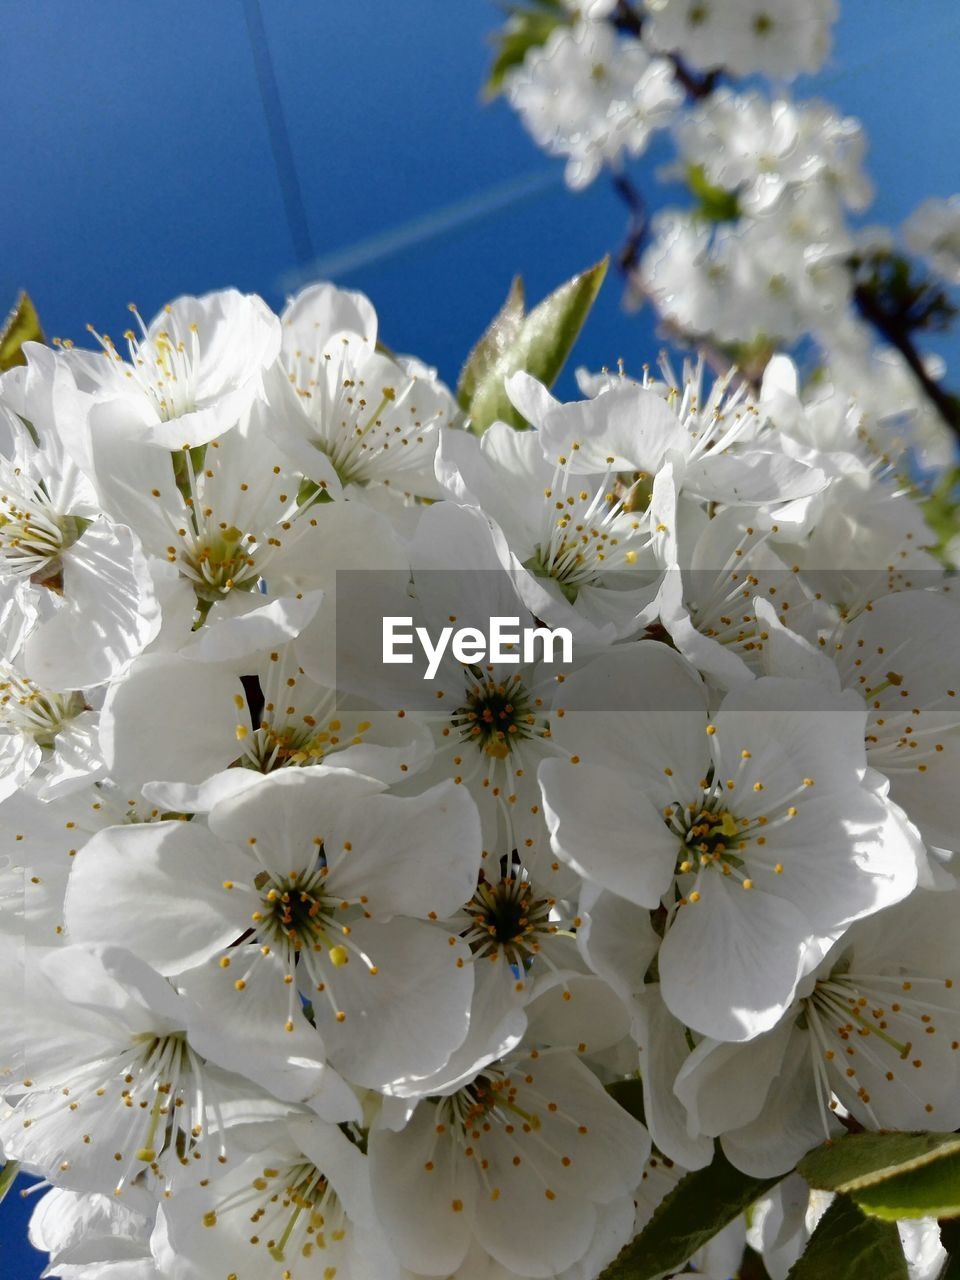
(625, 18)
(898, 335)
(629, 256)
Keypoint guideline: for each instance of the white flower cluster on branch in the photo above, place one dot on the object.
(303, 986)
(767, 256)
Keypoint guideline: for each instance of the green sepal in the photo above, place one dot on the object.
(8, 1176)
(21, 325)
(537, 343)
(714, 204)
(525, 29)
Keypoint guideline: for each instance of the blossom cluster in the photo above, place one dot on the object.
(321, 977)
(770, 253)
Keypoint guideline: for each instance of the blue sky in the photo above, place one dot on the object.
(137, 166)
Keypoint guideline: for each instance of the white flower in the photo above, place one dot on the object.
(876, 1029)
(588, 95)
(45, 836)
(757, 826)
(933, 231)
(757, 147)
(778, 37)
(90, 1236)
(519, 1159)
(89, 582)
(225, 513)
(771, 278)
(44, 733)
(566, 533)
(189, 376)
(898, 655)
(782, 1222)
(327, 886)
(300, 1209)
(116, 1093)
(349, 414)
(715, 443)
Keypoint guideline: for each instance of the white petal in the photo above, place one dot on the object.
(416, 856)
(663, 1049)
(405, 1020)
(628, 428)
(730, 963)
(415, 1204)
(529, 397)
(265, 627)
(157, 889)
(171, 719)
(607, 830)
(109, 612)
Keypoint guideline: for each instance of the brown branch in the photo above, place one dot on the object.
(625, 18)
(629, 256)
(897, 333)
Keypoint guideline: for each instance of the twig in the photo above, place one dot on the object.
(629, 255)
(625, 18)
(898, 335)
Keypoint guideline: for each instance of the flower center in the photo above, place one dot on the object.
(296, 911)
(708, 838)
(297, 720)
(490, 1097)
(32, 532)
(307, 929)
(147, 1100)
(368, 429)
(498, 714)
(507, 916)
(164, 367)
(34, 712)
(870, 1031)
(220, 560)
(295, 1213)
(587, 532)
(166, 1058)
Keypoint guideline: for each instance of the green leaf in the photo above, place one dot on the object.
(526, 29)
(502, 333)
(699, 1206)
(540, 344)
(850, 1245)
(932, 1191)
(21, 325)
(860, 1160)
(715, 204)
(8, 1176)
